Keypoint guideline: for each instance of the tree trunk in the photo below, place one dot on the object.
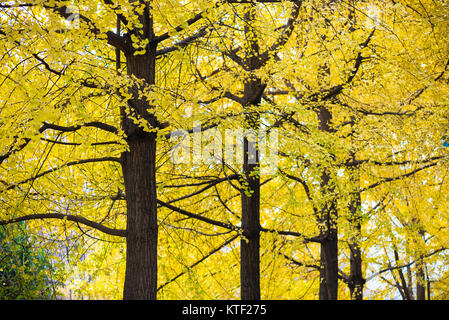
(420, 280)
(329, 244)
(140, 187)
(328, 225)
(329, 265)
(356, 280)
(250, 242)
(322, 293)
(139, 172)
(420, 270)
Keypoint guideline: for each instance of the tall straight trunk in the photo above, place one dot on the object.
(420, 280)
(250, 242)
(139, 172)
(329, 261)
(356, 281)
(250, 202)
(322, 293)
(328, 225)
(420, 271)
(140, 186)
(329, 245)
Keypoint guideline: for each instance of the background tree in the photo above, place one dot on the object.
(26, 270)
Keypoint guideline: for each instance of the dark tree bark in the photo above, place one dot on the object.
(250, 242)
(356, 280)
(329, 245)
(420, 280)
(329, 261)
(405, 290)
(327, 222)
(420, 272)
(322, 293)
(139, 172)
(140, 184)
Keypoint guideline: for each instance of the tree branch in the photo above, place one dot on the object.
(181, 27)
(113, 39)
(404, 265)
(94, 124)
(406, 175)
(68, 164)
(61, 216)
(183, 43)
(283, 38)
(198, 217)
(199, 261)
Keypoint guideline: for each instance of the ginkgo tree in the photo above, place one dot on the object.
(81, 102)
(353, 117)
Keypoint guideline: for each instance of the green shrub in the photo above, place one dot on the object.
(25, 269)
